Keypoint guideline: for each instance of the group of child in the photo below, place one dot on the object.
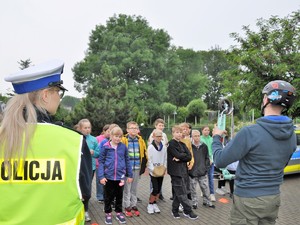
(122, 159)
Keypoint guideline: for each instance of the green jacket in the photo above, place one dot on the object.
(208, 140)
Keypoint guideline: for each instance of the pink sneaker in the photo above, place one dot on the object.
(128, 212)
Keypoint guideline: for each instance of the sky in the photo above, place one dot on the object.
(60, 29)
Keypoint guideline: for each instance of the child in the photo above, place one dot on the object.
(114, 165)
(207, 139)
(100, 192)
(138, 160)
(104, 134)
(186, 139)
(232, 169)
(178, 156)
(159, 124)
(84, 126)
(198, 174)
(99, 187)
(157, 158)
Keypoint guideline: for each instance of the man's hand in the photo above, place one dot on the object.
(217, 131)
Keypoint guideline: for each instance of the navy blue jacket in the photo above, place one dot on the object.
(114, 163)
(263, 150)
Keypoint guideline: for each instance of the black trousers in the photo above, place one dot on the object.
(221, 183)
(113, 190)
(181, 188)
(156, 184)
(86, 201)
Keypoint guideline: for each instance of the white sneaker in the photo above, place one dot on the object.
(225, 190)
(155, 208)
(180, 209)
(150, 208)
(219, 191)
(212, 197)
(87, 217)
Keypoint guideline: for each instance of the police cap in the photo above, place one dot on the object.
(37, 77)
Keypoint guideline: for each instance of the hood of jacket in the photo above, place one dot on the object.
(280, 127)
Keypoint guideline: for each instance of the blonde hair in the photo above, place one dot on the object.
(113, 125)
(159, 120)
(195, 132)
(76, 127)
(18, 126)
(176, 128)
(82, 121)
(186, 125)
(132, 123)
(157, 132)
(116, 131)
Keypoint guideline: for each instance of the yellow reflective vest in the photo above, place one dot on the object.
(44, 188)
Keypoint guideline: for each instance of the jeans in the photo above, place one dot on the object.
(99, 188)
(211, 178)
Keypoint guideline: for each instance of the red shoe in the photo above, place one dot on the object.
(128, 212)
(135, 210)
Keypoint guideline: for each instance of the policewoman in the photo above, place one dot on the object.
(45, 171)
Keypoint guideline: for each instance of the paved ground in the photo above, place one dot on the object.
(289, 211)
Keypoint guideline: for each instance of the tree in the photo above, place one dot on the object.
(62, 115)
(3, 99)
(24, 63)
(106, 101)
(187, 81)
(196, 109)
(270, 53)
(136, 56)
(182, 114)
(215, 62)
(69, 102)
(168, 109)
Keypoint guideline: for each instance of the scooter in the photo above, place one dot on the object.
(225, 108)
